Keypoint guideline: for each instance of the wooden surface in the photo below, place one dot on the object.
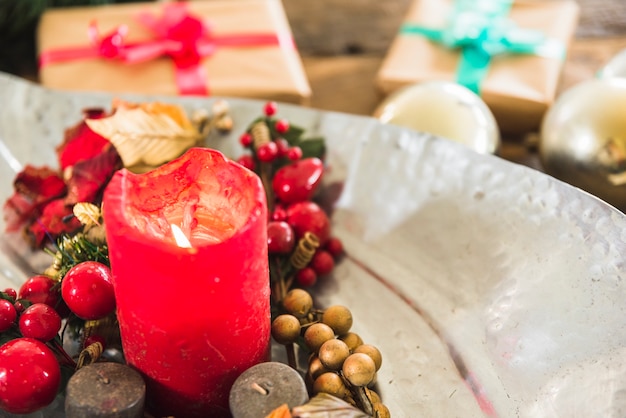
(343, 43)
(344, 82)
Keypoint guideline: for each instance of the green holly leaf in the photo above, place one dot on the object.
(293, 135)
(313, 147)
(8, 335)
(6, 296)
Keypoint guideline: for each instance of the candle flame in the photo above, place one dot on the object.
(181, 240)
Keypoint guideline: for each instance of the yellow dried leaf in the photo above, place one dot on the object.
(87, 213)
(141, 136)
(177, 113)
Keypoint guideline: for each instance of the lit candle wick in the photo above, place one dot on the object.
(181, 240)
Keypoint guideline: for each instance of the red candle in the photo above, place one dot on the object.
(192, 317)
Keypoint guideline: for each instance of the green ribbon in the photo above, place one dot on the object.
(480, 29)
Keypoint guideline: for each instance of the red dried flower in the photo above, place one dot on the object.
(80, 142)
(34, 188)
(88, 177)
(56, 218)
(43, 200)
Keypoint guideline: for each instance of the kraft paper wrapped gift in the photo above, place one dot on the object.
(517, 87)
(144, 48)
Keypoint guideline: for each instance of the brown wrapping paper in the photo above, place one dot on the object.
(261, 72)
(518, 88)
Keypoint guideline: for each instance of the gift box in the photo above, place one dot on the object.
(510, 54)
(224, 48)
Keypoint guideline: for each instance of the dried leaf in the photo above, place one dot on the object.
(152, 136)
(176, 112)
(324, 405)
(87, 213)
(280, 412)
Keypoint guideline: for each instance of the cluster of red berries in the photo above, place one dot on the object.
(267, 149)
(32, 352)
(302, 249)
(291, 180)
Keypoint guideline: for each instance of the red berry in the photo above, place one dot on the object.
(281, 126)
(19, 307)
(308, 216)
(10, 293)
(87, 289)
(29, 376)
(322, 262)
(270, 108)
(298, 181)
(283, 146)
(245, 139)
(267, 152)
(334, 246)
(246, 161)
(294, 153)
(40, 321)
(280, 237)
(8, 314)
(40, 289)
(306, 277)
(279, 213)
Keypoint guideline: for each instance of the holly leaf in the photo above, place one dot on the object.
(324, 405)
(8, 335)
(313, 147)
(293, 135)
(147, 135)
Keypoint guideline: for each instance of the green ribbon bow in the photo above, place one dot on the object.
(481, 29)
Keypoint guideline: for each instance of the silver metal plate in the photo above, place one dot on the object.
(490, 288)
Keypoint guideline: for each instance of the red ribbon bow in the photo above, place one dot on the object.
(177, 34)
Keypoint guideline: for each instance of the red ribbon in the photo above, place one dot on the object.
(177, 34)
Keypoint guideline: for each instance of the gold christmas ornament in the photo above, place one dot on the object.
(583, 139)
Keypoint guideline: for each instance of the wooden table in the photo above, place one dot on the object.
(345, 83)
(341, 58)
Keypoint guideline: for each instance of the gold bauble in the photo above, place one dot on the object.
(583, 139)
